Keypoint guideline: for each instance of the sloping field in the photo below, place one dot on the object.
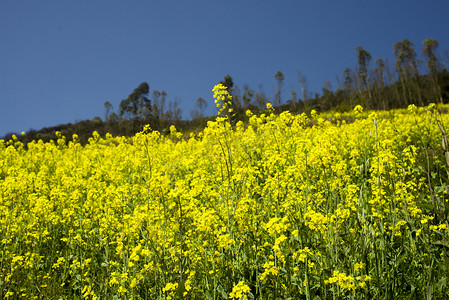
(287, 207)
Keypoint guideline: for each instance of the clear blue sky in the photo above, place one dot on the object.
(61, 60)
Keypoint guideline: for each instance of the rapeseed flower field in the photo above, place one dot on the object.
(284, 207)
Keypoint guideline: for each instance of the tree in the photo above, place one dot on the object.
(162, 101)
(159, 99)
(407, 68)
(137, 105)
(363, 59)
(174, 111)
(378, 73)
(260, 98)
(327, 98)
(429, 48)
(201, 104)
(195, 114)
(198, 112)
(293, 97)
(108, 108)
(405, 58)
(348, 85)
(156, 112)
(248, 95)
(303, 84)
(280, 79)
(294, 104)
(228, 82)
(237, 98)
(379, 83)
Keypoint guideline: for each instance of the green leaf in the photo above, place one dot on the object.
(441, 243)
(208, 295)
(222, 292)
(442, 283)
(181, 289)
(439, 189)
(429, 292)
(426, 206)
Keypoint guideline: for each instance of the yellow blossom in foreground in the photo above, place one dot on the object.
(280, 203)
(239, 291)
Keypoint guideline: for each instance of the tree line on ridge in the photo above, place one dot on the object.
(379, 85)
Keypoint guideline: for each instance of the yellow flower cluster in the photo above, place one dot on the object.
(347, 282)
(239, 291)
(278, 205)
(223, 100)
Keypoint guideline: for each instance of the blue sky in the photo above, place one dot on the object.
(61, 60)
